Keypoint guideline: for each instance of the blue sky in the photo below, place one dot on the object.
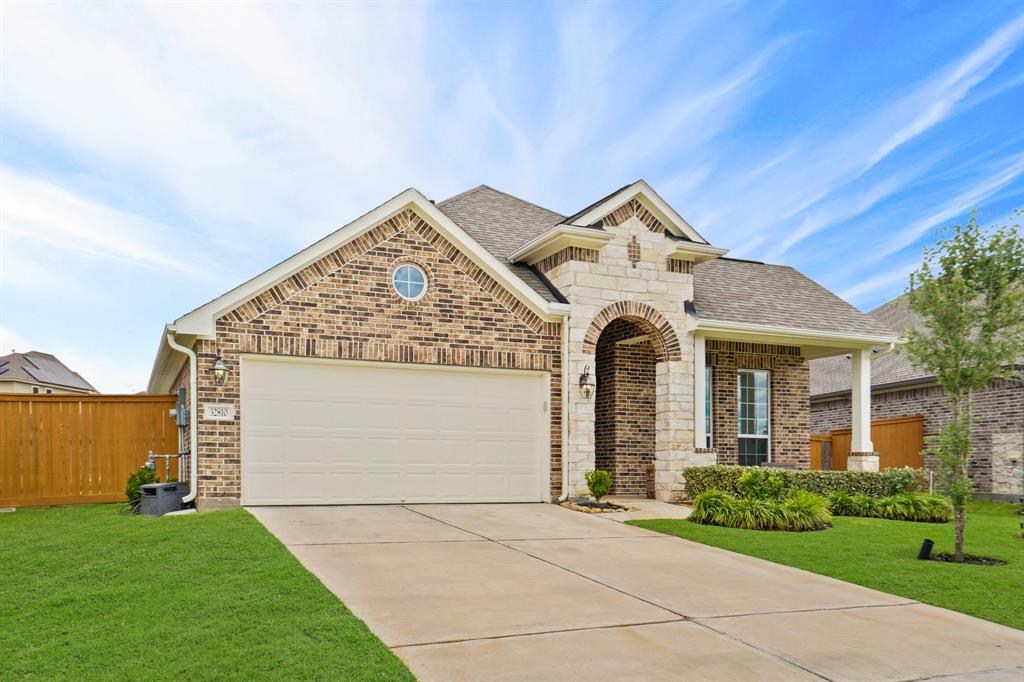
(156, 155)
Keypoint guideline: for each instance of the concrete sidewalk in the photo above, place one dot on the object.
(531, 592)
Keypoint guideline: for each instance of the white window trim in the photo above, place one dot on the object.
(426, 281)
(709, 410)
(767, 436)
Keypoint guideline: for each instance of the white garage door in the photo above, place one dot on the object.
(336, 432)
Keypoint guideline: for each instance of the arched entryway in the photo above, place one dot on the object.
(625, 406)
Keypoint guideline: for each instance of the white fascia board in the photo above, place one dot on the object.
(673, 221)
(558, 238)
(167, 362)
(696, 252)
(794, 335)
(201, 322)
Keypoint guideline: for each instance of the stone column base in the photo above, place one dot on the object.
(862, 461)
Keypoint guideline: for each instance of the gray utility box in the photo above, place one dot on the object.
(160, 498)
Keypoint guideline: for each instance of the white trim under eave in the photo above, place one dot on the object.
(696, 252)
(796, 335)
(673, 221)
(201, 322)
(558, 238)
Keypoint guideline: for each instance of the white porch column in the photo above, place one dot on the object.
(699, 387)
(862, 452)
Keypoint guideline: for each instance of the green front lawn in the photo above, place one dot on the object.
(88, 592)
(882, 555)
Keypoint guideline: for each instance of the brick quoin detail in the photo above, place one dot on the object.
(344, 306)
(630, 209)
(789, 398)
(663, 337)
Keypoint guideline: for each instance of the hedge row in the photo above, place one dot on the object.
(902, 507)
(873, 483)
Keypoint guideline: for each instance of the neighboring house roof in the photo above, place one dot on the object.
(34, 367)
(832, 375)
(732, 290)
(501, 223)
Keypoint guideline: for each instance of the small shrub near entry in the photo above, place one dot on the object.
(599, 482)
(133, 488)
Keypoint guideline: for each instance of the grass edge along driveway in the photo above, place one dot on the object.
(882, 555)
(90, 592)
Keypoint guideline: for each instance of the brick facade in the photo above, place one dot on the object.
(625, 407)
(343, 306)
(999, 411)
(789, 396)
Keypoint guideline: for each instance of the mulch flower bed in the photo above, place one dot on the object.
(969, 559)
(594, 507)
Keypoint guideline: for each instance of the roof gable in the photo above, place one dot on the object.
(202, 321)
(639, 191)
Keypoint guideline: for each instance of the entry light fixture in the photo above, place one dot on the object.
(586, 384)
(219, 370)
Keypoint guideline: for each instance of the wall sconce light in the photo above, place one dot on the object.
(220, 370)
(586, 384)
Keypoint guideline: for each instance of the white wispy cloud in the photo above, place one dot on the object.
(49, 216)
(1007, 171)
(896, 275)
(829, 165)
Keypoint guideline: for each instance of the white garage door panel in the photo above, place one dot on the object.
(330, 432)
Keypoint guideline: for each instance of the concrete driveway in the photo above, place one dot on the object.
(531, 592)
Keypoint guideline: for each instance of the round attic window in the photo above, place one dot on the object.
(410, 282)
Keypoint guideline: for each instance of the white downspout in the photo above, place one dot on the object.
(565, 409)
(193, 417)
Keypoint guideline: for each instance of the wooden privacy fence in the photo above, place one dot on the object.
(75, 449)
(898, 442)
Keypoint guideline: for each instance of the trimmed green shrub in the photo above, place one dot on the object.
(903, 507)
(761, 484)
(866, 505)
(599, 483)
(875, 484)
(805, 511)
(708, 505)
(904, 479)
(797, 512)
(132, 488)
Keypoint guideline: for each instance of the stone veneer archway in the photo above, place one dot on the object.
(663, 337)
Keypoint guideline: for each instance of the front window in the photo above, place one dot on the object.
(410, 282)
(752, 399)
(708, 442)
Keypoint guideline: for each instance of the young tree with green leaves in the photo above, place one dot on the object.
(969, 292)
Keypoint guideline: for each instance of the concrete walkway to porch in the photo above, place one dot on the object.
(535, 591)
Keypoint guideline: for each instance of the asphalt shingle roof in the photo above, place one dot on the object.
(725, 289)
(832, 375)
(502, 223)
(43, 368)
(734, 290)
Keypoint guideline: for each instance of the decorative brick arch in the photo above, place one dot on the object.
(663, 337)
